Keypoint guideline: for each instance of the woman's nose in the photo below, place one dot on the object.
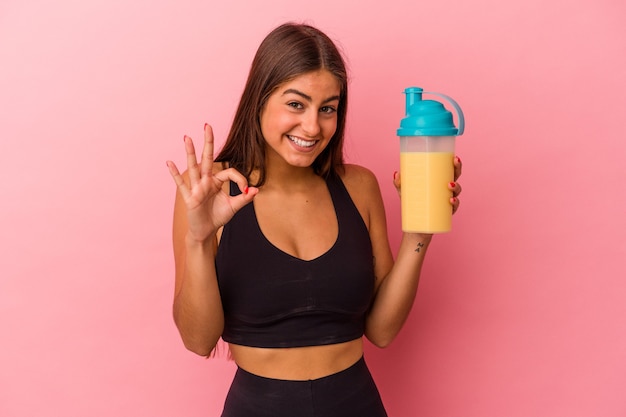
(311, 124)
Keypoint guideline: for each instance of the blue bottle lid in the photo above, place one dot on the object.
(429, 117)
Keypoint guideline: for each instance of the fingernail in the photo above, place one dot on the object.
(245, 190)
(395, 174)
(453, 200)
(452, 185)
(206, 125)
(458, 159)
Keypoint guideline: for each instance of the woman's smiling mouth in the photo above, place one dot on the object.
(301, 142)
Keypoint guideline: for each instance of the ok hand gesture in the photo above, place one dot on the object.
(208, 206)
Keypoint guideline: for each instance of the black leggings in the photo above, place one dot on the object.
(348, 393)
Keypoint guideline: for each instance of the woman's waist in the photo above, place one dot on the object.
(298, 363)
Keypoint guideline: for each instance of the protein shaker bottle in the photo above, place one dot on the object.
(427, 136)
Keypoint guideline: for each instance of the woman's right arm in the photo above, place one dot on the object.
(197, 305)
(201, 208)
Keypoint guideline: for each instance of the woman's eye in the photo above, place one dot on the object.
(328, 110)
(295, 105)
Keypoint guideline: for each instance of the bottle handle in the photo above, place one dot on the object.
(459, 112)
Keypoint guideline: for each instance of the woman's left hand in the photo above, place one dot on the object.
(454, 186)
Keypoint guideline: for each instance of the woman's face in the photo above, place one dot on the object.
(300, 117)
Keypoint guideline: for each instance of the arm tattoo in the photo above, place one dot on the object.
(419, 247)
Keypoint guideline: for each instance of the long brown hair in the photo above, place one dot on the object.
(288, 51)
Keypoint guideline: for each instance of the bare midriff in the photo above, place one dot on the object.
(300, 363)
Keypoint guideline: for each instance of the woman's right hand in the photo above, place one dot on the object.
(208, 206)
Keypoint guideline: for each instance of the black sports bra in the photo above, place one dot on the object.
(272, 299)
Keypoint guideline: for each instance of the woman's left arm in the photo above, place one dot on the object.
(396, 282)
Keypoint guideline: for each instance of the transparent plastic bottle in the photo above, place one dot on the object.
(427, 138)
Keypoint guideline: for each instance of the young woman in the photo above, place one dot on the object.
(281, 249)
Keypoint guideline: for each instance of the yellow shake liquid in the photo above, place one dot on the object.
(425, 197)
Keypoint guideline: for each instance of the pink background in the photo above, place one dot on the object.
(522, 308)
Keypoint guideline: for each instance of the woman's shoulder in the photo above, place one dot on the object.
(358, 179)
(364, 191)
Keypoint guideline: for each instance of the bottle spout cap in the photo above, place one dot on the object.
(412, 94)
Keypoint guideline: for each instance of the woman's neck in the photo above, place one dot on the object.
(289, 177)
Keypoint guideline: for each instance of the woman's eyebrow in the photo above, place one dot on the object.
(308, 97)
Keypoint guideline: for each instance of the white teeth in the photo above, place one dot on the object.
(301, 142)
